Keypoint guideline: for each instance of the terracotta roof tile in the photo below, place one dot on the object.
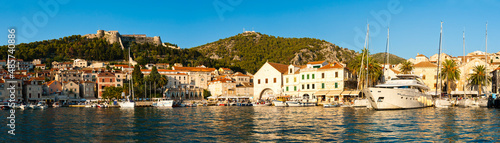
(280, 67)
(332, 65)
(316, 62)
(425, 64)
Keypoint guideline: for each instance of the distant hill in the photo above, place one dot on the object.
(393, 59)
(250, 50)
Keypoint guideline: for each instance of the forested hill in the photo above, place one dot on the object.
(67, 48)
(76, 46)
(393, 59)
(250, 50)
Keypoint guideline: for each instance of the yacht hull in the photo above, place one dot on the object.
(279, 103)
(127, 104)
(390, 99)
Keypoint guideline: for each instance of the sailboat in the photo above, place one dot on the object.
(440, 102)
(483, 100)
(129, 103)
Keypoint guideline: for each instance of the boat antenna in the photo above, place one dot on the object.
(439, 58)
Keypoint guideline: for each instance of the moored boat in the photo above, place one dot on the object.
(403, 92)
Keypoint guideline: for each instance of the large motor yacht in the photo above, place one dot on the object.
(403, 92)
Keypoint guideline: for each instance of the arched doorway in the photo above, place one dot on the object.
(305, 96)
(266, 93)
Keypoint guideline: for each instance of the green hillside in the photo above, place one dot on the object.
(393, 59)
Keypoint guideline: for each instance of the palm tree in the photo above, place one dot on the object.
(479, 77)
(374, 68)
(450, 72)
(406, 67)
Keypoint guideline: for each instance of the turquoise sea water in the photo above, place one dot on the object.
(253, 124)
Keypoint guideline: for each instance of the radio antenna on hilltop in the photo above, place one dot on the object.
(243, 30)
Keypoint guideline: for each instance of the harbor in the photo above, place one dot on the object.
(256, 124)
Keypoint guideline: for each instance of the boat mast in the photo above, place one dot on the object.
(439, 58)
(367, 53)
(386, 58)
(131, 82)
(486, 59)
(463, 43)
(362, 59)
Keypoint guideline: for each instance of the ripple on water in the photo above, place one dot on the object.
(255, 124)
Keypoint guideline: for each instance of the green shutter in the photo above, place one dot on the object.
(323, 85)
(307, 76)
(312, 76)
(287, 88)
(294, 88)
(302, 76)
(336, 85)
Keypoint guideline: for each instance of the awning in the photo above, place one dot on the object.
(328, 92)
(462, 92)
(350, 92)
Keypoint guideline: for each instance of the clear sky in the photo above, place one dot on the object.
(414, 24)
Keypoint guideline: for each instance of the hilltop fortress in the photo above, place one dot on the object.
(114, 36)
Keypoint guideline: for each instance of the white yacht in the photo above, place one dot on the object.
(403, 92)
(127, 104)
(163, 103)
(278, 103)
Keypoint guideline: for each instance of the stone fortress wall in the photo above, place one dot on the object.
(114, 36)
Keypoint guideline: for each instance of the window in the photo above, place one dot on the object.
(294, 88)
(302, 76)
(336, 74)
(294, 79)
(313, 86)
(323, 85)
(287, 88)
(274, 80)
(290, 70)
(307, 86)
(286, 80)
(336, 85)
(118, 85)
(312, 76)
(423, 77)
(435, 85)
(110, 80)
(258, 81)
(302, 86)
(322, 75)
(102, 80)
(30, 95)
(266, 80)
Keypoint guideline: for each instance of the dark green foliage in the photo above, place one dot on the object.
(393, 59)
(67, 48)
(255, 49)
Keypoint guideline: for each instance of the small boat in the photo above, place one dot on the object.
(42, 105)
(56, 104)
(329, 105)
(23, 106)
(31, 106)
(442, 103)
(278, 103)
(262, 104)
(163, 103)
(293, 104)
(362, 103)
(483, 102)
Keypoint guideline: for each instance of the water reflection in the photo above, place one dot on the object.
(254, 124)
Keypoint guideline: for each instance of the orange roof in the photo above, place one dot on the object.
(226, 69)
(395, 71)
(106, 74)
(40, 65)
(50, 82)
(195, 69)
(162, 64)
(3, 60)
(425, 64)
(316, 62)
(420, 55)
(222, 80)
(164, 70)
(280, 67)
(332, 65)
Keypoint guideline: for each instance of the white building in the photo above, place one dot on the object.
(268, 80)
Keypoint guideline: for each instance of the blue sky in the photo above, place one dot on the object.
(414, 24)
